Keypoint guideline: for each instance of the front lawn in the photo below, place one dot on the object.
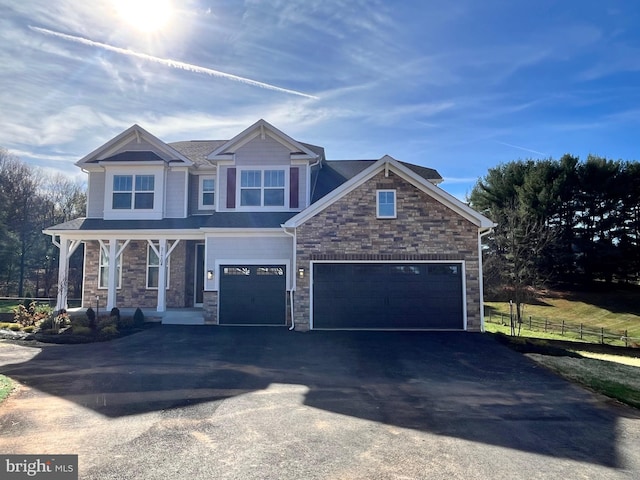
(6, 387)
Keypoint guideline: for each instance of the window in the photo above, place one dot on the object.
(124, 192)
(386, 203)
(207, 192)
(103, 275)
(153, 268)
(262, 188)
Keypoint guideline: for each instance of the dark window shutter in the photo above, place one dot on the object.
(231, 188)
(294, 187)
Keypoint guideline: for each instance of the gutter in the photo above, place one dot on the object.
(293, 274)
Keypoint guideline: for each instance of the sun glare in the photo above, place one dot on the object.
(145, 15)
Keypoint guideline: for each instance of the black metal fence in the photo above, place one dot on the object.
(587, 333)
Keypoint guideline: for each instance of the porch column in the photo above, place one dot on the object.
(113, 274)
(162, 275)
(66, 247)
(63, 274)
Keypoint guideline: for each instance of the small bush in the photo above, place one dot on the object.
(82, 330)
(125, 323)
(138, 317)
(14, 327)
(29, 329)
(115, 312)
(31, 315)
(46, 324)
(91, 316)
(109, 330)
(80, 322)
(5, 325)
(104, 322)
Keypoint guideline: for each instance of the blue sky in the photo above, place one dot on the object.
(460, 86)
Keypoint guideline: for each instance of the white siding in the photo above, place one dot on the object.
(95, 195)
(221, 197)
(175, 195)
(303, 186)
(246, 250)
(263, 152)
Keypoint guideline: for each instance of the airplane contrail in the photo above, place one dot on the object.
(523, 148)
(168, 62)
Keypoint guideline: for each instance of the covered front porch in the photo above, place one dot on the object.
(171, 316)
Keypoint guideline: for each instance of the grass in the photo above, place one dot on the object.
(615, 310)
(6, 387)
(612, 379)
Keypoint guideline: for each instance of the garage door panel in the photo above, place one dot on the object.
(388, 295)
(252, 295)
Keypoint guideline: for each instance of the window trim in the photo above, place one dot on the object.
(149, 266)
(378, 204)
(158, 192)
(285, 169)
(201, 192)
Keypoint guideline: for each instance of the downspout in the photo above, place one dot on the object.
(480, 275)
(293, 275)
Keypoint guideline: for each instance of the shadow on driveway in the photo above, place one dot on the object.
(451, 384)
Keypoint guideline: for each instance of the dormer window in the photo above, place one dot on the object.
(262, 188)
(136, 189)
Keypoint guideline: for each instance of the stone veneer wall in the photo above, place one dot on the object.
(134, 292)
(424, 229)
(210, 307)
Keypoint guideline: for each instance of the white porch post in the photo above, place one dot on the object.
(63, 274)
(162, 275)
(113, 273)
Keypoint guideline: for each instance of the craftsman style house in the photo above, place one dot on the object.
(263, 229)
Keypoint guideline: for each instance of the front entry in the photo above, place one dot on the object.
(253, 295)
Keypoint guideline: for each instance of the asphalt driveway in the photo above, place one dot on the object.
(245, 403)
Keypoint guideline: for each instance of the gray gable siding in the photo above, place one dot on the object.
(95, 195)
(263, 152)
(135, 146)
(175, 195)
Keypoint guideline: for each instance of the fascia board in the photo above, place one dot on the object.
(253, 131)
(115, 141)
(183, 234)
(441, 195)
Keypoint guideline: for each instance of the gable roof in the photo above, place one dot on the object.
(133, 133)
(197, 150)
(262, 128)
(404, 172)
(336, 172)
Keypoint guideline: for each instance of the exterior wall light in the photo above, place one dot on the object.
(301, 272)
(209, 274)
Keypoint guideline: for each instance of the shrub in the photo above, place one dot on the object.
(125, 323)
(29, 329)
(5, 325)
(62, 319)
(138, 317)
(109, 330)
(46, 324)
(91, 317)
(115, 312)
(31, 315)
(106, 322)
(14, 327)
(79, 322)
(82, 330)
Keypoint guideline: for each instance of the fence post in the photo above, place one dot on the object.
(626, 340)
(545, 325)
(529, 322)
(562, 331)
(602, 335)
(580, 331)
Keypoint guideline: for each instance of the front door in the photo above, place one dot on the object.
(199, 280)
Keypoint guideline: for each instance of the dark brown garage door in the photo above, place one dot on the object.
(398, 296)
(253, 295)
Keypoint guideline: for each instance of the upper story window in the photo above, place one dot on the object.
(133, 189)
(207, 192)
(262, 188)
(386, 203)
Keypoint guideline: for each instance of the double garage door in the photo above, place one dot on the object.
(402, 296)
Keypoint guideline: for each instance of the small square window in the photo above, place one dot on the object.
(386, 203)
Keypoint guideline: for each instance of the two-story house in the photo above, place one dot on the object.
(263, 229)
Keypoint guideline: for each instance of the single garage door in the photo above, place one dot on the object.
(398, 296)
(252, 295)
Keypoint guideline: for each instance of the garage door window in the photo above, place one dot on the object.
(386, 203)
